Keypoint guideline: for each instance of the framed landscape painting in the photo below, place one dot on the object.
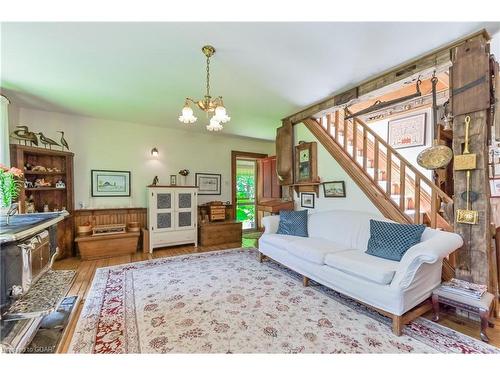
(208, 183)
(106, 183)
(334, 189)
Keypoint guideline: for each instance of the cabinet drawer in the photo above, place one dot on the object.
(173, 237)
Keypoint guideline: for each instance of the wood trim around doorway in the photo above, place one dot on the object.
(235, 155)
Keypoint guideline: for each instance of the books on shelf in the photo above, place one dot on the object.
(463, 288)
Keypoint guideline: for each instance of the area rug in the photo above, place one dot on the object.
(45, 294)
(228, 302)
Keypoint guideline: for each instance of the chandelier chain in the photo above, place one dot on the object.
(208, 76)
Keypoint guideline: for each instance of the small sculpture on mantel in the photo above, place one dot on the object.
(63, 141)
(156, 181)
(23, 134)
(47, 141)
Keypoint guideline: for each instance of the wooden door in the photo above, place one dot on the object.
(269, 181)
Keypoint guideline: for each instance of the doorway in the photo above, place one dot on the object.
(244, 188)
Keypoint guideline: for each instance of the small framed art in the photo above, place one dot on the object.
(307, 200)
(105, 183)
(495, 187)
(408, 131)
(173, 179)
(208, 183)
(334, 189)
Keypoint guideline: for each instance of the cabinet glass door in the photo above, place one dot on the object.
(184, 210)
(163, 219)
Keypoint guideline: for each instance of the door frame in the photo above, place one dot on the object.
(244, 155)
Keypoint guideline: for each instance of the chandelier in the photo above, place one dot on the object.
(212, 106)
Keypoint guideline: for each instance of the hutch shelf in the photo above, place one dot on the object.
(52, 197)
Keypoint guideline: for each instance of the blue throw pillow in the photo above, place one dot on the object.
(392, 240)
(293, 223)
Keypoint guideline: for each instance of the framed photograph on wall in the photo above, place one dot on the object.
(208, 183)
(173, 179)
(307, 200)
(407, 131)
(334, 189)
(105, 183)
(495, 187)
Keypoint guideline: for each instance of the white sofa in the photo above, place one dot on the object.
(334, 255)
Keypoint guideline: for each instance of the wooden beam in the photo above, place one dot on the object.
(399, 73)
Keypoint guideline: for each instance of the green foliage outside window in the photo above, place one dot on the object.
(245, 193)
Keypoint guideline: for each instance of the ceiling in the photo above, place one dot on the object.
(141, 72)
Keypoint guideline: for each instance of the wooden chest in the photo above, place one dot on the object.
(220, 233)
(106, 246)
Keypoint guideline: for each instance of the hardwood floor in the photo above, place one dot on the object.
(86, 269)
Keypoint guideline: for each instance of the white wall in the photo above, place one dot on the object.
(410, 153)
(330, 170)
(115, 145)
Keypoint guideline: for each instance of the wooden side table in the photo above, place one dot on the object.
(483, 307)
(219, 233)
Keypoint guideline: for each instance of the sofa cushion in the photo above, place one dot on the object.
(392, 240)
(277, 240)
(293, 223)
(360, 264)
(313, 250)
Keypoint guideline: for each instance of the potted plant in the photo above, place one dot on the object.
(11, 180)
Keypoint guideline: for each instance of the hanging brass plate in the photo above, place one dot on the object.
(467, 216)
(435, 157)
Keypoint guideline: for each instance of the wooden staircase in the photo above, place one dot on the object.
(397, 188)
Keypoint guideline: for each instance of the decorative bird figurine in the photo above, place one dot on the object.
(47, 141)
(63, 141)
(23, 134)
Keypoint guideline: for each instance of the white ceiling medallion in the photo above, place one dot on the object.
(212, 106)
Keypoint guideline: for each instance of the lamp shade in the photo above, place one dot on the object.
(221, 114)
(214, 125)
(187, 116)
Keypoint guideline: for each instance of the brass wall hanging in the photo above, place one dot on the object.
(467, 216)
(466, 161)
(437, 156)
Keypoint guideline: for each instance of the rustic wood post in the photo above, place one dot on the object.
(470, 95)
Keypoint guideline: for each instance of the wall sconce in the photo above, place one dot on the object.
(154, 152)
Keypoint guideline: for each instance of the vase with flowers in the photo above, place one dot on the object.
(11, 180)
(184, 173)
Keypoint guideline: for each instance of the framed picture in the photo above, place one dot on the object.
(407, 131)
(306, 166)
(495, 187)
(307, 200)
(173, 179)
(208, 183)
(334, 189)
(106, 183)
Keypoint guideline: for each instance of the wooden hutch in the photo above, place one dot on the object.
(58, 166)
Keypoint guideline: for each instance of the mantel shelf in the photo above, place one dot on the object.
(306, 187)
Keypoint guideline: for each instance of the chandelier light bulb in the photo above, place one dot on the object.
(187, 116)
(221, 115)
(214, 125)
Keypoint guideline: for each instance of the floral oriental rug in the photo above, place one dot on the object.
(228, 302)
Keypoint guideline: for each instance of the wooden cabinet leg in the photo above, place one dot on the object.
(305, 281)
(397, 325)
(261, 257)
(484, 314)
(435, 307)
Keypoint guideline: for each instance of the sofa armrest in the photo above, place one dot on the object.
(432, 250)
(271, 223)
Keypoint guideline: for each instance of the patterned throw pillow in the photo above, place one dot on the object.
(293, 223)
(392, 240)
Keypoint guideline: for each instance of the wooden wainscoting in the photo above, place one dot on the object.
(99, 216)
